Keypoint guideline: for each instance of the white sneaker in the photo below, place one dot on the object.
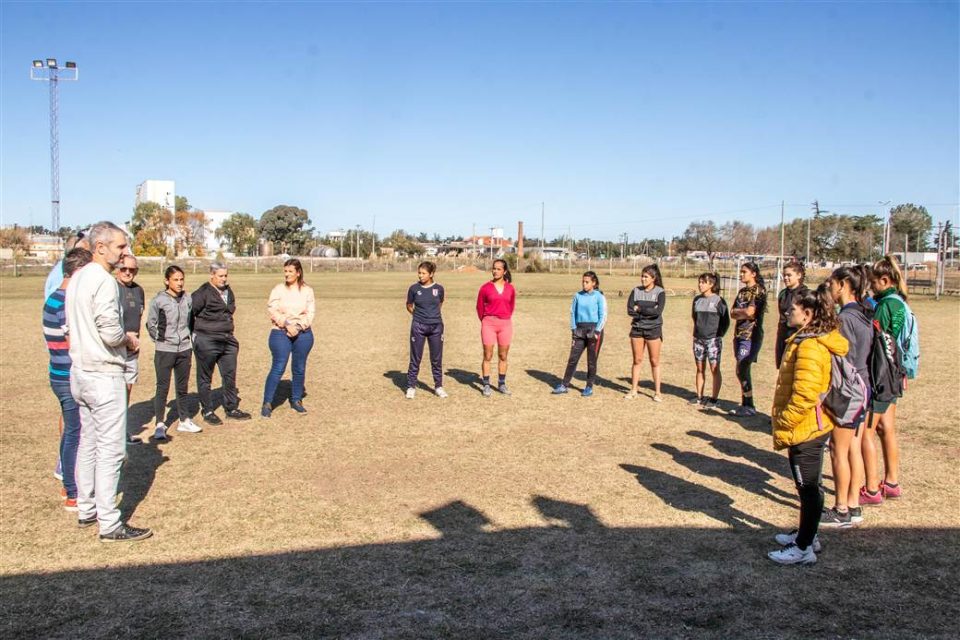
(411, 393)
(787, 539)
(187, 425)
(160, 433)
(441, 393)
(792, 554)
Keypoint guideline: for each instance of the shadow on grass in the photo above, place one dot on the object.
(466, 378)
(665, 388)
(573, 578)
(551, 380)
(773, 462)
(139, 472)
(399, 380)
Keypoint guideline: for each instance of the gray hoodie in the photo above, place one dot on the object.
(168, 322)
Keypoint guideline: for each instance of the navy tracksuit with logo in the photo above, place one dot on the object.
(427, 326)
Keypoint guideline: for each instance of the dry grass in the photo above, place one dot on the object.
(529, 516)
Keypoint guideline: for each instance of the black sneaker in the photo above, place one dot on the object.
(833, 519)
(298, 407)
(266, 410)
(212, 418)
(236, 414)
(83, 523)
(856, 515)
(126, 533)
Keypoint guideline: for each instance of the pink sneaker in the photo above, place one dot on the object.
(868, 499)
(890, 491)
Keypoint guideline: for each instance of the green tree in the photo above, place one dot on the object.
(239, 231)
(912, 222)
(284, 226)
(151, 226)
(403, 242)
(701, 235)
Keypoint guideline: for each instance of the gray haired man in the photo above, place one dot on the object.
(214, 344)
(98, 351)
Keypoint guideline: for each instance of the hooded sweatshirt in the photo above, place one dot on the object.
(168, 322)
(804, 376)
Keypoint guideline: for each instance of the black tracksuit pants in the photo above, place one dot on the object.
(585, 338)
(215, 350)
(178, 364)
(806, 463)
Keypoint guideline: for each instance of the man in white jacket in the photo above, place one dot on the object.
(98, 350)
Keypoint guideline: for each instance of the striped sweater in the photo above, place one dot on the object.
(55, 333)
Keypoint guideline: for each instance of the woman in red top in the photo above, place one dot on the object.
(495, 302)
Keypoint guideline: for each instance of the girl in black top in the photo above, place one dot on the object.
(645, 307)
(748, 310)
(794, 274)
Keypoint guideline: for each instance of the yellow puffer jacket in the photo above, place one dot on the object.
(804, 376)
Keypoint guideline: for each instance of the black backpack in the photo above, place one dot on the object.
(886, 371)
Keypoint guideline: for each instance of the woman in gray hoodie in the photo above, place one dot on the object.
(168, 323)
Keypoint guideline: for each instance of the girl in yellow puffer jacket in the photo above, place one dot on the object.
(799, 423)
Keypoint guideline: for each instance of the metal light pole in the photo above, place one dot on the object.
(886, 228)
(49, 71)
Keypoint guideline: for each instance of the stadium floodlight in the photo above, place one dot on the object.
(53, 74)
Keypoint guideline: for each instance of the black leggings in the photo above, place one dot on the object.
(582, 342)
(806, 462)
(165, 363)
(743, 375)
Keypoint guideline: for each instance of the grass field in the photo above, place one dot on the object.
(517, 517)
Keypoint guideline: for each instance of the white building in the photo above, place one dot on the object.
(163, 192)
(215, 218)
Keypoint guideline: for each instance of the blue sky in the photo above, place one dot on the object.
(621, 117)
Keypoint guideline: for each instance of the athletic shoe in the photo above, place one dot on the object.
(411, 393)
(587, 392)
(186, 425)
(890, 491)
(833, 519)
(856, 515)
(503, 389)
(559, 389)
(70, 504)
(83, 523)
(743, 411)
(126, 533)
(630, 395)
(266, 411)
(791, 554)
(132, 439)
(696, 402)
(160, 433)
(58, 471)
(870, 499)
(441, 393)
(237, 414)
(298, 407)
(657, 398)
(786, 539)
(710, 403)
(487, 391)
(211, 418)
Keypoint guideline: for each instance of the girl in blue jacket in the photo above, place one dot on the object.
(588, 314)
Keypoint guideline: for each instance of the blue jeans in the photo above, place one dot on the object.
(282, 347)
(70, 439)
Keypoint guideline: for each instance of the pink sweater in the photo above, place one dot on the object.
(491, 302)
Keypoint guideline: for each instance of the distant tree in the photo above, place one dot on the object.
(422, 237)
(14, 238)
(403, 242)
(284, 226)
(239, 231)
(702, 235)
(912, 221)
(738, 236)
(151, 226)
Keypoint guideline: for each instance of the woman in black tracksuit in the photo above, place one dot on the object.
(645, 307)
(794, 274)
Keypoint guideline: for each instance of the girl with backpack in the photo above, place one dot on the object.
(748, 310)
(645, 307)
(588, 314)
(799, 423)
(847, 287)
(794, 274)
(892, 315)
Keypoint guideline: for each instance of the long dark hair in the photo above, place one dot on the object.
(854, 277)
(506, 269)
(427, 266)
(653, 271)
(592, 276)
(713, 279)
(797, 267)
(293, 262)
(755, 269)
(887, 266)
(168, 272)
(821, 303)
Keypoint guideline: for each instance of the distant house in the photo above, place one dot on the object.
(550, 253)
(48, 248)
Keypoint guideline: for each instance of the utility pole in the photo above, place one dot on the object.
(358, 241)
(373, 238)
(50, 72)
(886, 228)
(541, 228)
(780, 259)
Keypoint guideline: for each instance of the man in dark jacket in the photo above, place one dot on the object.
(215, 345)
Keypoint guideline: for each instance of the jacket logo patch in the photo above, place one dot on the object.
(435, 293)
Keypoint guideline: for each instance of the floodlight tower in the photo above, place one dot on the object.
(49, 71)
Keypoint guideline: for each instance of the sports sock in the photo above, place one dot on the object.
(486, 380)
(748, 401)
(502, 378)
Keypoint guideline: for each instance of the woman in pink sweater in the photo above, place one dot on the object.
(495, 302)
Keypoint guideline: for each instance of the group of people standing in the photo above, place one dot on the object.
(91, 319)
(837, 320)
